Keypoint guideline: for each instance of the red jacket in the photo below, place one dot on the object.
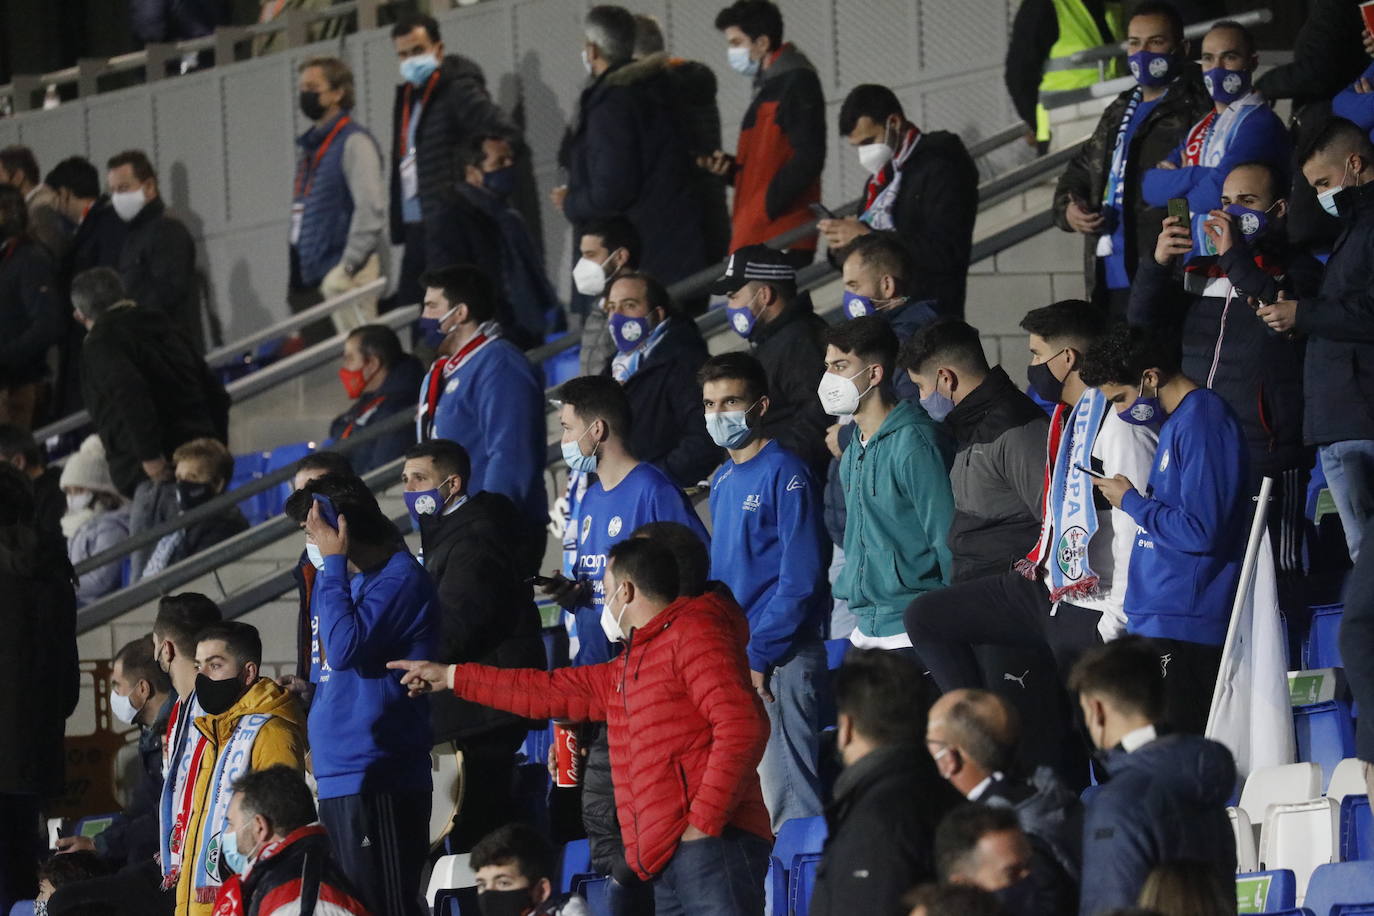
(292, 875)
(685, 727)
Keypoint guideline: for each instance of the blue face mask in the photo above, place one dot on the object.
(629, 333)
(312, 553)
(423, 504)
(229, 853)
(1225, 86)
(937, 405)
(432, 331)
(415, 70)
(500, 182)
(1151, 69)
(742, 318)
(730, 428)
(1251, 223)
(856, 306)
(1144, 411)
(576, 461)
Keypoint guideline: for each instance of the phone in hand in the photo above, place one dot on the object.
(1178, 209)
(1091, 473)
(541, 581)
(327, 510)
(820, 211)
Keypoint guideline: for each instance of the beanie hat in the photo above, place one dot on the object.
(88, 469)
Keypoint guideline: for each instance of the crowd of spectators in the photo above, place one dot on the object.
(1035, 581)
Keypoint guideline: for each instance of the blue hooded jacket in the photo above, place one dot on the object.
(1165, 801)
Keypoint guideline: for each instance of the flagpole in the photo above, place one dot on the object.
(1247, 578)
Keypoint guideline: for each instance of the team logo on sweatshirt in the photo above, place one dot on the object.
(752, 502)
(613, 527)
(796, 483)
(1164, 460)
(586, 529)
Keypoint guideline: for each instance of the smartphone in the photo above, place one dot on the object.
(820, 211)
(1090, 472)
(1178, 209)
(327, 510)
(540, 581)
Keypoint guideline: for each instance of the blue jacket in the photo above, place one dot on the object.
(1356, 106)
(1192, 517)
(493, 406)
(366, 735)
(322, 188)
(770, 549)
(524, 282)
(1165, 801)
(1257, 136)
(395, 394)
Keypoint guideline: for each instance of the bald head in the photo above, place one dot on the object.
(972, 734)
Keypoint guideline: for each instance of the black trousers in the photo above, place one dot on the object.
(1190, 675)
(413, 261)
(20, 845)
(488, 776)
(380, 841)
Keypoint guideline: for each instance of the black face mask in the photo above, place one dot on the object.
(1043, 382)
(311, 106)
(216, 697)
(505, 903)
(190, 495)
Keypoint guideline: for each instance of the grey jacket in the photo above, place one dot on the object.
(99, 533)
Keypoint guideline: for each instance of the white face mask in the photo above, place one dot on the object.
(741, 62)
(128, 204)
(610, 623)
(312, 551)
(839, 395)
(79, 502)
(586, 60)
(589, 277)
(1327, 198)
(123, 708)
(875, 156)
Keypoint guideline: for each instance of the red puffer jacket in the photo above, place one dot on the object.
(685, 728)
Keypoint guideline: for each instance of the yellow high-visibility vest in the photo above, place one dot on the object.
(1078, 31)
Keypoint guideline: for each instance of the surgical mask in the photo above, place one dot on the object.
(576, 461)
(216, 697)
(1225, 86)
(312, 553)
(415, 70)
(1144, 411)
(354, 381)
(589, 277)
(1327, 198)
(741, 62)
(1152, 69)
(1252, 223)
(586, 60)
(742, 317)
(190, 495)
(500, 182)
(838, 393)
(730, 428)
(629, 333)
(937, 405)
(610, 623)
(229, 852)
(311, 106)
(123, 709)
(79, 502)
(128, 204)
(504, 903)
(1043, 381)
(424, 503)
(874, 157)
(432, 331)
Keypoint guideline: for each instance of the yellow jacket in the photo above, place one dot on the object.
(281, 740)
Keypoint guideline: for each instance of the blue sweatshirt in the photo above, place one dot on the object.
(493, 406)
(366, 735)
(1257, 136)
(1356, 106)
(607, 517)
(1193, 525)
(770, 549)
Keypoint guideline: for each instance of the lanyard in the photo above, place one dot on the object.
(404, 142)
(309, 174)
(371, 406)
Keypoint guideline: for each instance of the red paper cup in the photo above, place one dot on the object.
(1367, 11)
(565, 756)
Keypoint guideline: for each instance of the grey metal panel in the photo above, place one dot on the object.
(810, 25)
(962, 36)
(374, 63)
(259, 152)
(694, 36)
(875, 43)
(248, 272)
(189, 151)
(54, 135)
(118, 121)
(483, 33)
(9, 132)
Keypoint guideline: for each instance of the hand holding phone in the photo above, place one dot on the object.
(1178, 209)
(820, 211)
(1091, 473)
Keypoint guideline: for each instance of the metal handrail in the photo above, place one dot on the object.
(230, 353)
(1089, 56)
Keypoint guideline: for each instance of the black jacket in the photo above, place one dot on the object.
(98, 242)
(1182, 106)
(396, 394)
(1338, 377)
(668, 427)
(38, 618)
(158, 264)
(1327, 55)
(882, 832)
(486, 609)
(31, 316)
(147, 391)
(998, 477)
(1033, 33)
(792, 350)
(176, 20)
(49, 502)
(933, 215)
(134, 836)
(459, 108)
(1052, 818)
(1357, 645)
(1230, 350)
(627, 156)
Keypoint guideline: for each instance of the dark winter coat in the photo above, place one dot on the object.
(133, 837)
(881, 839)
(1052, 818)
(1186, 103)
(31, 314)
(791, 348)
(486, 609)
(1327, 55)
(176, 20)
(396, 394)
(147, 391)
(158, 265)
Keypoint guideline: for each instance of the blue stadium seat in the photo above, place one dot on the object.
(1266, 891)
(1297, 911)
(1357, 829)
(797, 837)
(597, 893)
(576, 863)
(22, 908)
(461, 901)
(835, 650)
(536, 746)
(1341, 887)
(1321, 648)
(803, 883)
(248, 468)
(1326, 734)
(562, 366)
(270, 502)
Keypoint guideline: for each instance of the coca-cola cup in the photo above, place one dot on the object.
(565, 755)
(1367, 11)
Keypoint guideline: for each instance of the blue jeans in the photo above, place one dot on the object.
(1349, 469)
(788, 773)
(716, 876)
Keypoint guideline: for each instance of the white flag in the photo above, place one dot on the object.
(1250, 713)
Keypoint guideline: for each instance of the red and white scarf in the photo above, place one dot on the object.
(881, 192)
